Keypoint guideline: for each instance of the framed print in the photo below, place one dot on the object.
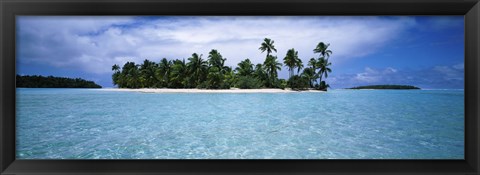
(145, 87)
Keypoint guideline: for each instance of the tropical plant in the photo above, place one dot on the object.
(291, 60)
(245, 68)
(163, 72)
(230, 78)
(130, 76)
(282, 83)
(298, 82)
(215, 59)
(309, 73)
(260, 74)
(147, 73)
(248, 82)
(322, 48)
(216, 70)
(323, 65)
(178, 74)
(116, 74)
(323, 86)
(268, 46)
(272, 66)
(299, 65)
(214, 74)
(115, 68)
(215, 78)
(197, 68)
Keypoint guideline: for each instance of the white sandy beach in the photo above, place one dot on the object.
(149, 90)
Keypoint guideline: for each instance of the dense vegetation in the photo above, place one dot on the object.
(36, 81)
(211, 73)
(386, 87)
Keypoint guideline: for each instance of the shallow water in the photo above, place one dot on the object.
(339, 124)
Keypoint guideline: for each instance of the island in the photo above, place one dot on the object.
(407, 87)
(212, 73)
(38, 81)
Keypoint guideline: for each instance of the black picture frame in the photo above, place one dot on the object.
(10, 8)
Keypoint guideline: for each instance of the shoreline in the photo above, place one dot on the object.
(233, 90)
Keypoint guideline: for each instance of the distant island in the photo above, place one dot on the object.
(38, 81)
(385, 87)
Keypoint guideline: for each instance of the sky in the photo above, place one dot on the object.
(424, 51)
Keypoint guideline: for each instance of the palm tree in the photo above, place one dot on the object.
(323, 65)
(230, 78)
(215, 59)
(115, 68)
(290, 61)
(213, 73)
(260, 74)
(178, 74)
(299, 65)
(216, 70)
(224, 69)
(268, 46)
(309, 73)
(129, 76)
(197, 68)
(147, 72)
(272, 66)
(322, 48)
(215, 78)
(245, 68)
(116, 74)
(163, 72)
(313, 65)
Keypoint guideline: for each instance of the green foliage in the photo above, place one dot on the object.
(309, 73)
(130, 76)
(214, 78)
(322, 49)
(37, 81)
(245, 68)
(298, 83)
(282, 83)
(178, 75)
(272, 66)
(323, 65)
(163, 72)
(319, 67)
(215, 59)
(147, 73)
(202, 85)
(291, 60)
(268, 46)
(323, 86)
(260, 73)
(248, 82)
(197, 68)
(385, 87)
(213, 74)
(230, 78)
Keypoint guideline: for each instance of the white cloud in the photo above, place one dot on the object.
(373, 76)
(460, 66)
(450, 73)
(93, 44)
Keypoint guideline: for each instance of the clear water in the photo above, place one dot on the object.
(339, 124)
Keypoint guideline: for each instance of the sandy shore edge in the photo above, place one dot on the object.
(148, 90)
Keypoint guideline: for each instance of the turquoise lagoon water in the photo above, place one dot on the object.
(339, 124)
